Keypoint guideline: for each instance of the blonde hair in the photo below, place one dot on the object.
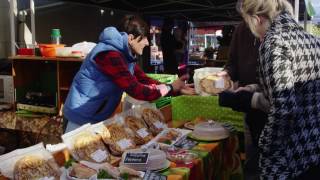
(266, 8)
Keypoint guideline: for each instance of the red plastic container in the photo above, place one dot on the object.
(26, 51)
(49, 50)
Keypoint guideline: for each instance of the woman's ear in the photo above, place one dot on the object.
(256, 20)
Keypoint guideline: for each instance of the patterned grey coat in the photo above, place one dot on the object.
(289, 68)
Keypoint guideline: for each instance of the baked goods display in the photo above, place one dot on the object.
(118, 138)
(34, 168)
(89, 147)
(213, 84)
(141, 133)
(93, 147)
(154, 120)
(210, 131)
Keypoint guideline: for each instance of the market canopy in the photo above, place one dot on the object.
(194, 10)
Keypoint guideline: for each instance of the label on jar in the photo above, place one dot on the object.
(124, 144)
(143, 132)
(99, 155)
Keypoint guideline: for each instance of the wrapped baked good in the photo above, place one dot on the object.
(213, 84)
(89, 147)
(80, 171)
(31, 163)
(118, 138)
(154, 119)
(84, 144)
(34, 168)
(141, 133)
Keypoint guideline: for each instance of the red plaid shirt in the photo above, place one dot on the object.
(138, 86)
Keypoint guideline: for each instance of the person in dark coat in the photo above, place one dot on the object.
(168, 46)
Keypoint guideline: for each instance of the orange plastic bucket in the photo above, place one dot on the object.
(49, 50)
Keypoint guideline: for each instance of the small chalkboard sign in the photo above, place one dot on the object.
(149, 175)
(185, 143)
(136, 158)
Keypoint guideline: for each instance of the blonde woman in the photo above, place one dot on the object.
(289, 65)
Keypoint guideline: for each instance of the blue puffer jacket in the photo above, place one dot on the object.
(93, 97)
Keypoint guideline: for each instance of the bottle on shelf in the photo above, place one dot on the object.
(55, 36)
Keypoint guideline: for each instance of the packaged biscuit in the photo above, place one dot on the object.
(153, 118)
(84, 144)
(136, 124)
(30, 163)
(116, 135)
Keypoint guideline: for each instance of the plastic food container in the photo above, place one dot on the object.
(49, 50)
(181, 156)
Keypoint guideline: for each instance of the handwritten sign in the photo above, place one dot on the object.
(136, 158)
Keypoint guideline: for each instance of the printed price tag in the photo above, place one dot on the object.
(124, 143)
(143, 132)
(136, 158)
(99, 155)
(219, 83)
(159, 125)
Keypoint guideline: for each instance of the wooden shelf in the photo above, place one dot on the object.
(53, 75)
(39, 58)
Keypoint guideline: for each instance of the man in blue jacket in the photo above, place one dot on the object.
(109, 70)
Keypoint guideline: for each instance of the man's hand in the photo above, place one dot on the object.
(179, 83)
(188, 89)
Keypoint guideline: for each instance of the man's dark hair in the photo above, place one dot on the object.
(132, 24)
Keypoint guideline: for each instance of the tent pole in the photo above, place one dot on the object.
(13, 7)
(33, 26)
(296, 10)
(305, 19)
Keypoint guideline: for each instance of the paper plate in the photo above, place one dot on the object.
(189, 125)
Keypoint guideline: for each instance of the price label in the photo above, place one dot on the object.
(143, 132)
(124, 143)
(219, 83)
(99, 155)
(136, 158)
(158, 125)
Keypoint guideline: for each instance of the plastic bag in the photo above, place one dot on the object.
(200, 74)
(84, 144)
(48, 167)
